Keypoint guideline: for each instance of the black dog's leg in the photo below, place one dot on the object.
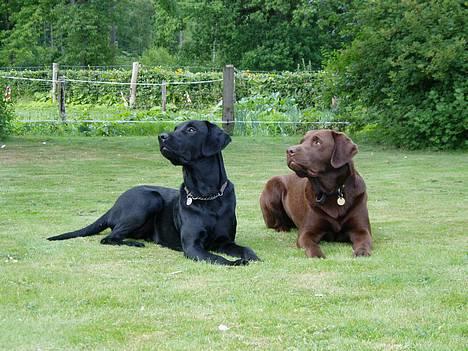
(200, 254)
(117, 236)
(133, 216)
(232, 249)
(193, 250)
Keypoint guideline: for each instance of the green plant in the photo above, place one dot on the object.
(6, 117)
(267, 115)
(407, 66)
(157, 57)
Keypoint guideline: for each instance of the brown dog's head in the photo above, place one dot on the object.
(320, 151)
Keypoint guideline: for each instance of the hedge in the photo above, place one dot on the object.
(296, 85)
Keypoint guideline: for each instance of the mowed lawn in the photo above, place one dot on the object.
(411, 294)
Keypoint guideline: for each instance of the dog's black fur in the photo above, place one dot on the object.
(163, 215)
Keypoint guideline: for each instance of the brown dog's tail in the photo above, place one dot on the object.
(91, 229)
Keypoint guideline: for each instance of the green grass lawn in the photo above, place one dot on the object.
(411, 294)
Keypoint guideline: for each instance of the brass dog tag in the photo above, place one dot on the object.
(189, 201)
(340, 201)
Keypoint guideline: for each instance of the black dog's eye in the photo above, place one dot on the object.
(191, 130)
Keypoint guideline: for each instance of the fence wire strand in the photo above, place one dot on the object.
(112, 83)
(242, 123)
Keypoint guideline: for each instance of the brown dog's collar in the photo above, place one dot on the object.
(190, 196)
(321, 196)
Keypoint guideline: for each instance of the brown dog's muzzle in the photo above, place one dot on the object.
(298, 158)
(293, 161)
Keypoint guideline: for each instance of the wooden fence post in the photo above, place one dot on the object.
(61, 99)
(163, 96)
(133, 86)
(55, 69)
(228, 98)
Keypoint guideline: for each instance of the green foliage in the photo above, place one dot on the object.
(93, 32)
(257, 35)
(95, 129)
(95, 120)
(279, 103)
(267, 115)
(182, 96)
(82, 26)
(22, 42)
(300, 86)
(132, 27)
(157, 57)
(6, 117)
(277, 115)
(167, 25)
(408, 65)
(264, 35)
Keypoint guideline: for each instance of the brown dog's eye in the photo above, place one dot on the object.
(316, 141)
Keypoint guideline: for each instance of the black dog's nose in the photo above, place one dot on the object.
(163, 136)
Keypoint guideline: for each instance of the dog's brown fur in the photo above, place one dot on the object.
(322, 162)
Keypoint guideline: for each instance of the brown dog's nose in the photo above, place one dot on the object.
(291, 150)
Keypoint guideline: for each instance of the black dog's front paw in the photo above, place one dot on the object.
(240, 262)
(134, 243)
(249, 255)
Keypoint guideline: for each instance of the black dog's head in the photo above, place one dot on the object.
(191, 141)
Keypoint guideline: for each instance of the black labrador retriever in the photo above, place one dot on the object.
(196, 219)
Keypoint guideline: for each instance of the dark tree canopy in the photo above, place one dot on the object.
(258, 34)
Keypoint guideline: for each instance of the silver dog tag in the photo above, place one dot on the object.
(189, 201)
(340, 201)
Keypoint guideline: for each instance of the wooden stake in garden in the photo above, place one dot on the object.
(133, 86)
(228, 98)
(55, 69)
(163, 96)
(61, 99)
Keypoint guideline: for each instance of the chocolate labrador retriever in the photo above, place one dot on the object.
(325, 198)
(198, 218)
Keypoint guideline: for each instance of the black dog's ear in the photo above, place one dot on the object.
(216, 140)
(344, 150)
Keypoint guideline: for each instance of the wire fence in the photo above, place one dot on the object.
(103, 102)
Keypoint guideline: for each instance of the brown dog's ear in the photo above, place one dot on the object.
(344, 150)
(216, 140)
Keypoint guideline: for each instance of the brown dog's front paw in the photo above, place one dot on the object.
(362, 252)
(314, 252)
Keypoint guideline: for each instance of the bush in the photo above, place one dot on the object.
(297, 85)
(6, 116)
(407, 66)
(157, 57)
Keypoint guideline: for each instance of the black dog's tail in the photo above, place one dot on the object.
(91, 229)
